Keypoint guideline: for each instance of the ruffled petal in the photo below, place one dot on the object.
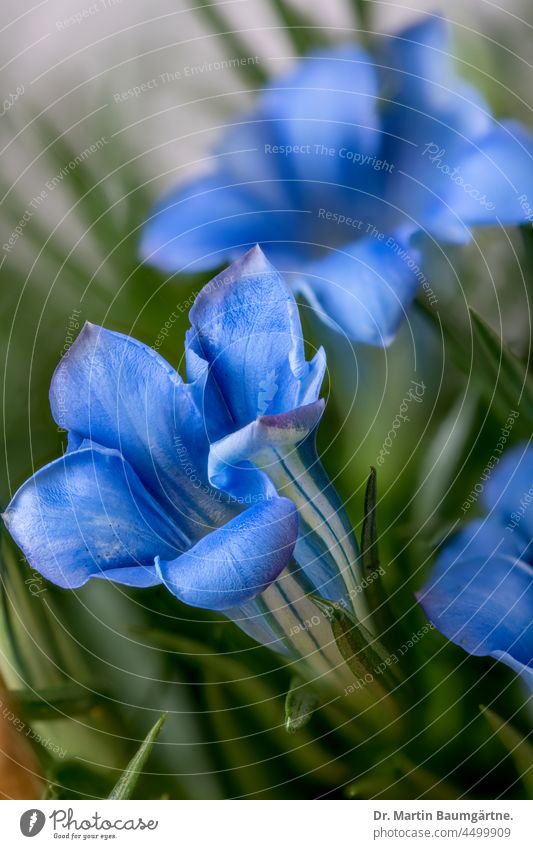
(115, 391)
(87, 514)
(132, 576)
(282, 432)
(365, 289)
(234, 564)
(484, 605)
(246, 327)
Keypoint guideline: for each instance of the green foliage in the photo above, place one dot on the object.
(69, 700)
(300, 704)
(519, 747)
(505, 377)
(127, 782)
(364, 653)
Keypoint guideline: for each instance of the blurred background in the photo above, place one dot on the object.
(131, 93)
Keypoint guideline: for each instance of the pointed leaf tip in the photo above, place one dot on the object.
(300, 704)
(127, 782)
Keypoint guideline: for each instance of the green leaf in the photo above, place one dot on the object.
(300, 704)
(401, 778)
(363, 653)
(125, 786)
(526, 232)
(22, 612)
(520, 748)
(55, 702)
(363, 12)
(50, 792)
(303, 32)
(235, 44)
(375, 593)
(440, 462)
(505, 377)
(369, 534)
(495, 370)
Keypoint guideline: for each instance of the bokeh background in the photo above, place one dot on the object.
(91, 671)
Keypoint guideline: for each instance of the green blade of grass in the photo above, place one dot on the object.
(127, 782)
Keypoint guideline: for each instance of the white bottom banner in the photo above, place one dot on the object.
(267, 824)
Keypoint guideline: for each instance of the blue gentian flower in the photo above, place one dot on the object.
(342, 170)
(126, 503)
(480, 594)
(246, 335)
(172, 482)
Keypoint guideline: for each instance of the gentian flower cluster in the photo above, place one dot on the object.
(344, 170)
(480, 594)
(208, 486)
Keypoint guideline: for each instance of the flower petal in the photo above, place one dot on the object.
(235, 563)
(426, 99)
(525, 672)
(119, 393)
(455, 165)
(484, 605)
(508, 495)
(490, 183)
(326, 104)
(213, 220)
(484, 538)
(279, 163)
(87, 514)
(248, 329)
(365, 289)
(283, 431)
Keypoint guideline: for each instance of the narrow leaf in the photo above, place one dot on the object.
(375, 594)
(363, 653)
(300, 704)
(401, 778)
(486, 361)
(520, 748)
(304, 34)
(363, 12)
(369, 535)
(233, 41)
(440, 463)
(125, 786)
(506, 376)
(55, 702)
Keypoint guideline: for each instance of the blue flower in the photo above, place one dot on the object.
(130, 501)
(342, 170)
(246, 335)
(480, 594)
(211, 486)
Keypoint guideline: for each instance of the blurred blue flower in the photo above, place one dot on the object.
(342, 170)
(480, 594)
